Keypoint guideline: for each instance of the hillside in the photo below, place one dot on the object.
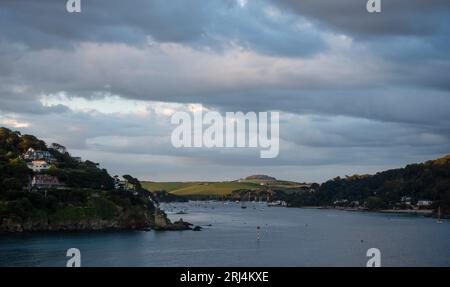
(200, 188)
(261, 177)
(401, 188)
(226, 188)
(44, 188)
(391, 189)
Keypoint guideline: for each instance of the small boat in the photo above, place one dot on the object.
(277, 203)
(181, 212)
(439, 221)
(243, 204)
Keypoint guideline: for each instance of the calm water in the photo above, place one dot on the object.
(288, 237)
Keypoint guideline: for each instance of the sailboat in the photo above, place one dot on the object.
(439, 216)
(243, 205)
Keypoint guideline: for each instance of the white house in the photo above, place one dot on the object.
(119, 183)
(424, 203)
(406, 200)
(32, 154)
(340, 201)
(38, 165)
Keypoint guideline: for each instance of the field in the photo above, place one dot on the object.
(219, 188)
(200, 188)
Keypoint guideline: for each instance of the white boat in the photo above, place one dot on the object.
(277, 203)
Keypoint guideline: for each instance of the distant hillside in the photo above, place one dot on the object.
(260, 177)
(226, 188)
(200, 188)
(385, 190)
(429, 181)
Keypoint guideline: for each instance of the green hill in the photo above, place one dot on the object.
(385, 190)
(225, 188)
(81, 196)
(200, 188)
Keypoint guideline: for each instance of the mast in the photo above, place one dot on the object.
(439, 215)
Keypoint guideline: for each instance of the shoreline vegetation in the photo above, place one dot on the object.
(422, 188)
(422, 212)
(43, 188)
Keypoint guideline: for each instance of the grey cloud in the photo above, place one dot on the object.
(338, 86)
(141, 145)
(398, 17)
(197, 23)
(376, 99)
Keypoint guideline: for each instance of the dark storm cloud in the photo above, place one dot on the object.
(398, 17)
(415, 106)
(45, 23)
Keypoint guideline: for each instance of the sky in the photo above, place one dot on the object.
(357, 92)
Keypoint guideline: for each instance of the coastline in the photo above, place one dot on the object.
(422, 212)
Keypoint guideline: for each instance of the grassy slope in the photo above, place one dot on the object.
(216, 188)
(167, 186)
(200, 188)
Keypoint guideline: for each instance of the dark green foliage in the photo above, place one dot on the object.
(164, 196)
(375, 203)
(88, 195)
(425, 181)
(14, 173)
(133, 181)
(74, 206)
(85, 177)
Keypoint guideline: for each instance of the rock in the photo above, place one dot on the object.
(177, 225)
(197, 228)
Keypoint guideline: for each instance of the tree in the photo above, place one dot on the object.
(59, 148)
(133, 181)
(374, 203)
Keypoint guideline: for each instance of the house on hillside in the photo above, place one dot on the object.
(42, 181)
(123, 184)
(340, 202)
(119, 183)
(424, 203)
(406, 200)
(32, 154)
(38, 165)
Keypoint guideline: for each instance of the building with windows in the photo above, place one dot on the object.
(33, 154)
(38, 165)
(45, 181)
(424, 203)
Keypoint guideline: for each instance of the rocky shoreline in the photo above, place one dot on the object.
(14, 225)
(124, 221)
(162, 223)
(8, 226)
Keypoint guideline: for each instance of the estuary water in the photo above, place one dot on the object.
(287, 237)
